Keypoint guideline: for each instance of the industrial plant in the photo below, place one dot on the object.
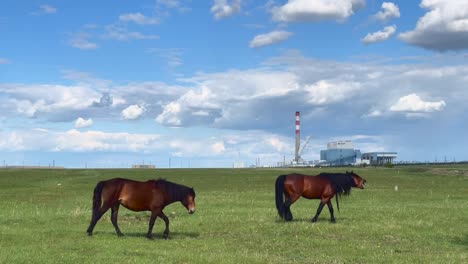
(338, 153)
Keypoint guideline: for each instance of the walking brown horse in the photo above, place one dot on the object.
(323, 186)
(152, 195)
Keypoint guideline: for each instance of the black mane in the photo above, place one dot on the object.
(176, 191)
(342, 182)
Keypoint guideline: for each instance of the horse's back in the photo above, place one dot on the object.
(134, 195)
(311, 187)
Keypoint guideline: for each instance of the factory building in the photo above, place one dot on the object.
(379, 158)
(340, 153)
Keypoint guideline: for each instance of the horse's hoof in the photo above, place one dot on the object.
(90, 233)
(333, 221)
(150, 237)
(314, 220)
(120, 235)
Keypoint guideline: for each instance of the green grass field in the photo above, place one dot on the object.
(44, 215)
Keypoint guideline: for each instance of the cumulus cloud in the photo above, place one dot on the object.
(389, 11)
(133, 112)
(380, 36)
(269, 38)
(327, 92)
(4, 61)
(81, 40)
(47, 9)
(318, 10)
(138, 18)
(414, 103)
(123, 34)
(444, 27)
(81, 122)
(224, 8)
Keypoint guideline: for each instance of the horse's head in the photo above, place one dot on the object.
(358, 181)
(189, 201)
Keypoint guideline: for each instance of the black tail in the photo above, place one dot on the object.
(337, 201)
(97, 198)
(279, 195)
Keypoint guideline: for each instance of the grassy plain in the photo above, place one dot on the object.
(44, 215)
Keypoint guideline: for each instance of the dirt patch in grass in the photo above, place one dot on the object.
(449, 172)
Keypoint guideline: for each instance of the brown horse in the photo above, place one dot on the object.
(152, 195)
(323, 186)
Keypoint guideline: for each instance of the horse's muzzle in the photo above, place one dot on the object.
(191, 210)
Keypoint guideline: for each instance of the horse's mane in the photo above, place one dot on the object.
(176, 191)
(342, 182)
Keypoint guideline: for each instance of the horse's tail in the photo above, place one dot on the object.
(97, 197)
(279, 195)
(338, 196)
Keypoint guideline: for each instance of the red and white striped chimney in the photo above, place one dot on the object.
(298, 135)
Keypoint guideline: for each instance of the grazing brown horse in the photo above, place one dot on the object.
(323, 186)
(152, 195)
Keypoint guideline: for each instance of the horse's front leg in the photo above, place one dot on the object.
(319, 210)
(166, 220)
(330, 208)
(151, 224)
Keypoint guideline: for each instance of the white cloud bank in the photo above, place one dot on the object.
(444, 27)
(380, 36)
(224, 8)
(138, 18)
(269, 38)
(389, 11)
(317, 10)
(414, 103)
(133, 112)
(81, 122)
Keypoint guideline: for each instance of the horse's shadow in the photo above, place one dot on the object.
(320, 220)
(462, 240)
(172, 235)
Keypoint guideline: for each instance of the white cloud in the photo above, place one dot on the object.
(133, 112)
(317, 10)
(269, 38)
(173, 56)
(47, 9)
(222, 8)
(31, 100)
(4, 61)
(218, 147)
(122, 34)
(138, 18)
(444, 27)
(389, 11)
(327, 92)
(82, 123)
(380, 36)
(413, 103)
(169, 3)
(81, 40)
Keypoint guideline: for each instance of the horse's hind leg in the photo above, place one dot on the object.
(114, 213)
(330, 208)
(166, 220)
(290, 199)
(98, 216)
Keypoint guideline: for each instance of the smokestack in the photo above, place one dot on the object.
(298, 135)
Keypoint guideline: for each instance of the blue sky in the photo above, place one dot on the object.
(212, 83)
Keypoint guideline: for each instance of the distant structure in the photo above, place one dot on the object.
(340, 153)
(379, 158)
(298, 137)
(143, 166)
